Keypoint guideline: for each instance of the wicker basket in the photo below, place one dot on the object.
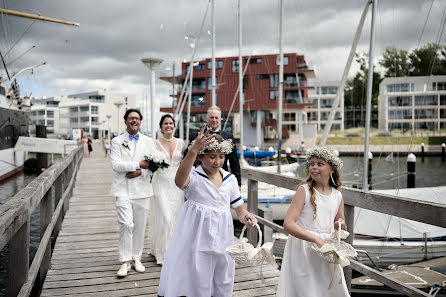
(341, 252)
(240, 251)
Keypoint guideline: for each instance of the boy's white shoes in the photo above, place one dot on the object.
(124, 269)
(138, 266)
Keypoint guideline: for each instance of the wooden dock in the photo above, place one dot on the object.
(85, 257)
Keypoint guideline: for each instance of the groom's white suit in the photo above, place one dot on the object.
(132, 193)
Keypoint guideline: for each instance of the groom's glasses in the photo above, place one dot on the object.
(134, 118)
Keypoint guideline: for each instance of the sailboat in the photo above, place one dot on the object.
(14, 110)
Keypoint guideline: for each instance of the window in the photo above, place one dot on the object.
(425, 113)
(401, 126)
(314, 101)
(41, 112)
(218, 64)
(198, 100)
(273, 95)
(442, 99)
(326, 103)
(50, 113)
(400, 101)
(395, 88)
(97, 98)
(50, 123)
(442, 113)
(329, 90)
(73, 109)
(273, 80)
(312, 116)
(285, 60)
(293, 97)
(291, 127)
(245, 82)
(84, 108)
(95, 109)
(234, 66)
(426, 100)
(400, 114)
(290, 80)
(260, 76)
(439, 86)
(253, 61)
(198, 84)
(289, 116)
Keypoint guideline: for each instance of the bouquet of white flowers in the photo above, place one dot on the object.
(156, 160)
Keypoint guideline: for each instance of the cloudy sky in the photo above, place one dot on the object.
(104, 52)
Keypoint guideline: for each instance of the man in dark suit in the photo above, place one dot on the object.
(213, 121)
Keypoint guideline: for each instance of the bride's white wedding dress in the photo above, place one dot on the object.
(166, 202)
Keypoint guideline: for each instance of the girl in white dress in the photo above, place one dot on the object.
(196, 264)
(167, 197)
(316, 208)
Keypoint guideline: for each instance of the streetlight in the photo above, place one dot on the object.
(108, 124)
(118, 105)
(152, 63)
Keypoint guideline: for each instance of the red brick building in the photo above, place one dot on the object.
(260, 87)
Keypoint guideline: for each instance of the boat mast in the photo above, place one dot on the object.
(344, 76)
(369, 98)
(280, 99)
(240, 79)
(214, 80)
(36, 17)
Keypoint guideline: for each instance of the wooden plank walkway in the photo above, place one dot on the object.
(85, 257)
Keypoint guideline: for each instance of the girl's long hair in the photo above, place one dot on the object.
(310, 182)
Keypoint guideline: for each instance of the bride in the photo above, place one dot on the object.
(168, 198)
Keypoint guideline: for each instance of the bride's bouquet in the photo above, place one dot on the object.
(156, 160)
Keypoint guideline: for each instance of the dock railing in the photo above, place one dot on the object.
(15, 217)
(425, 212)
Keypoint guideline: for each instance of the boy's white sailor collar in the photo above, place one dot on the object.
(201, 172)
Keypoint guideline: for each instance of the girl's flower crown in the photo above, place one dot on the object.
(225, 146)
(326, 154)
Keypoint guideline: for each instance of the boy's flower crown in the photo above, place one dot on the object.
(225, 146)
(326, 154)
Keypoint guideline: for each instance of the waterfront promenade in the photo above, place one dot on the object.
(85, 257)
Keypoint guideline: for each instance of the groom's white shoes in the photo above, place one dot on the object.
(124, 269)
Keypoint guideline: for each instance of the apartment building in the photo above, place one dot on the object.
(412, 103)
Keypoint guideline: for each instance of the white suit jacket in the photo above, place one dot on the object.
(125, 160)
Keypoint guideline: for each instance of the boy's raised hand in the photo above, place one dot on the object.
(202, 140)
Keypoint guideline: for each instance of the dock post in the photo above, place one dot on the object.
(422, 152)
(369, 171)
(253, 201)
(19, 258)
(411, 161)
(349, 213)
(443, 153)
(267, 213)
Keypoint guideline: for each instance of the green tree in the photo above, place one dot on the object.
(395, 61)
(428, 59)
(355, 92)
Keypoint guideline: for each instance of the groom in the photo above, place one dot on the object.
(132, 189)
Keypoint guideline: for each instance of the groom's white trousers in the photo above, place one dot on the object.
(132, 216)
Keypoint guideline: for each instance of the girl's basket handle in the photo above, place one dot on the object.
(259, 243)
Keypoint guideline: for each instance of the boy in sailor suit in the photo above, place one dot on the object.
(132, 189)
(196, 263)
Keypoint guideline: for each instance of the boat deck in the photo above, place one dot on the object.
(421, 275)
(85, 257)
